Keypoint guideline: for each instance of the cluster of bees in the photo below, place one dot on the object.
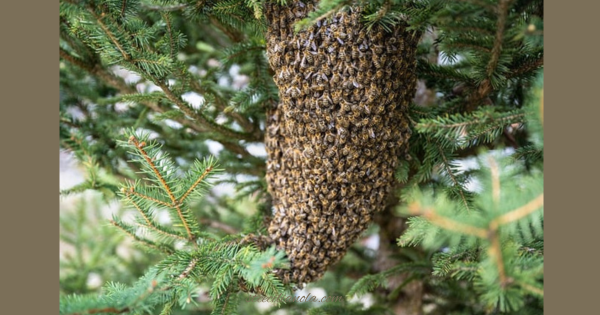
(334, 139)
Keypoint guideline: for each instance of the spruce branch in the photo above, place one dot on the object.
(486, 86)
(168, 190)
(123, 6)
(519, 213)
(137, 194)
(188, 269)
(530, 288)
(109, 33)
(232, 34)
(196, 183)
(495, 251)
(74, 60)
(176, 7)
(167, 19)
(129, 232)
(527, 65)
(109, 310)
(205, 122)
(149, 222)
(453, 177)
(431, 215)
(212, 125)
(495, 178)
(220, 225)
(221, 105)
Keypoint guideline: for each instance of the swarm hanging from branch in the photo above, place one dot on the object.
(334, 140)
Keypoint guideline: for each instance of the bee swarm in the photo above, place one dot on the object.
(334, 139)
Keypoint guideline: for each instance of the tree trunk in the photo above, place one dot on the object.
(334, 140)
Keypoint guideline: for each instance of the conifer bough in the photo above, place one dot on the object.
(334, 139)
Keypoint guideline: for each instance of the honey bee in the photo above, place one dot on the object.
(301, 225)
(343, 191)
(345, 150)
(316, 240)
(325, 99)
(335, 79)
(286, 278)
(388, 84)
(318, 87)
(303, 63)
(357, 94)
(325, 202)
(361, 174)
(380, 109)
(330, 138)
(327, 164)
(310, 230)
(364, 138)
(352, 190)
(293, 92)
(290, 14)
(323, 58)
(321, 126)
(383, 60)
(377, 49)
(321, 256)
(363, 47)
(332, 194)
(371, 133)
(380, 196)
(352, 69)
(365, 121)
(376, 62)
(296, 274)
(367, 152)
(285, 73)
(347, 84)
(374, 90)
(328, 175)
